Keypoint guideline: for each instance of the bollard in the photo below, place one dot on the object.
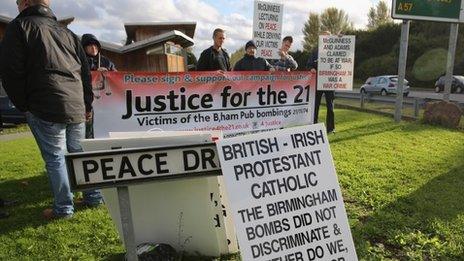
(416, 108)
(362, 100)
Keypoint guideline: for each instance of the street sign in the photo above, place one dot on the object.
(100, 169)
(429, 10)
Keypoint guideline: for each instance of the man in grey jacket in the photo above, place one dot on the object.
(286, 61)
(46, 75)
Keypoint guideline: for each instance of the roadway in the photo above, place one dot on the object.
(425, 94)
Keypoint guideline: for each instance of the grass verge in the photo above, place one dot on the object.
(402, 185)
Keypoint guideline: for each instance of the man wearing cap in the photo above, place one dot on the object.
(286, 61)
(250, 62)
(215, 58)
(46, 75)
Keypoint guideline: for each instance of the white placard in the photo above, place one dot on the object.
(335, 63)
(267, 29)
(285, 196)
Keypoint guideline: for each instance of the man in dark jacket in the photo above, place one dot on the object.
(329, 95)
(215, 58)
(250, 62)
(92, 47)
(97, 62)
(45, 74)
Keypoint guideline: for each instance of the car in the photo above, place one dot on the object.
(9, 113)
(457, 85)
(383, 85)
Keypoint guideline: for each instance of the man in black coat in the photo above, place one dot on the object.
(329, 95)
(250, 62)
(215, 58)
(46, 75)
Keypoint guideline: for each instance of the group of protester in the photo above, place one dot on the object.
(216, 58)
(45, 69)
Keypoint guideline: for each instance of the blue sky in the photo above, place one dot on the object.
(106, 18)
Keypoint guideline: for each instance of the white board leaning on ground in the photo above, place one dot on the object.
(285, 196)
(267, 29)
(335, 63)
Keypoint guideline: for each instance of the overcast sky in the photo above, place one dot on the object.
(106, 18)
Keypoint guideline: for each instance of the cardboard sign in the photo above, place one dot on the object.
(285, 196)
(335, 63)
(267, 29)
(234, 102)
(125, 166)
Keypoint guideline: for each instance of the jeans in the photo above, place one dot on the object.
(53, 140)
(329, 101)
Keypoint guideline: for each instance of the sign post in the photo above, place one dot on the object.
(450, 61)
(449, 11)
(402, 69)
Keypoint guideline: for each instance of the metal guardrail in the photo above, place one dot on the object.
(416, 103)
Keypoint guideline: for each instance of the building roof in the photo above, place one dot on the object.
(172, 36)
(188, 28)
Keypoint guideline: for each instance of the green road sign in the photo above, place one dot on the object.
(430, 10)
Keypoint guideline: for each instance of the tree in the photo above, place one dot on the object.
(311, 31)
(379, 15)
(237, 55)
(333, 20)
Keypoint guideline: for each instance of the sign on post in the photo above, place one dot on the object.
(285, 196)
(99, 169)
(430, 10)
(335, 63)
(267, 29)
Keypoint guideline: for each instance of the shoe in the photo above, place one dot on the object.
(48, 214)
(80, 203)
(7, 203)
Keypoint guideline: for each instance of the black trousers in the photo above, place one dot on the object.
(89, 128)
(329, 101)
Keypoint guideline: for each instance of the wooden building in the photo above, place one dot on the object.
(158, 47)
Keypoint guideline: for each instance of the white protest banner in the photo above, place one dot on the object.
(335, 63)
(110, 168)
(232, 102)
(267, 29)
(285, 197)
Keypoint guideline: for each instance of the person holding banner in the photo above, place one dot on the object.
(45, 73)
(215, 58)
(329, 95)
(250, 62)
(97, 62)
(286, 61)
